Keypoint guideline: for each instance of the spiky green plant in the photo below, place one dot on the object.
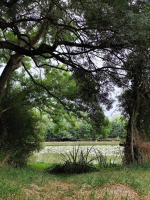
(103, 161)
(77, 161)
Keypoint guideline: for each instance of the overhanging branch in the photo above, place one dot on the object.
(45, 88)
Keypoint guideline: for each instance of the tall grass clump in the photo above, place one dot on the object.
(78, 161)
(105, 161)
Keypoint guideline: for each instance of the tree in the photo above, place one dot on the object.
(23, 132)
(133, 100)
(76, 128)
(48, 31)
(118, 127)
(78, 35)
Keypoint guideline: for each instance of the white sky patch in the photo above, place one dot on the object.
(115, 107)
(1, 70)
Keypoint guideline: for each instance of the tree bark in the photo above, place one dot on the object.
(131, 145)
(13, 64)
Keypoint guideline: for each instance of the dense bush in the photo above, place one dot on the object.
(22, 133)
(71, 168)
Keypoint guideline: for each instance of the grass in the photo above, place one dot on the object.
(83, 143)
(32, 183)
(39, 166)
(46, 157)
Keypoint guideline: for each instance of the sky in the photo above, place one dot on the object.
(114, 111)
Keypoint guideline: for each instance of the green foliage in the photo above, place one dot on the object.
(15, 181)
(60, 131)
(143, 121)
(75, 162)
(76, 34)
(79, 161)
(118, 128)
(75, 128)
(23, 133)
(49, 131)
(84, 130)
(71, 168)
(105, 129)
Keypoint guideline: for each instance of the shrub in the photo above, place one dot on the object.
(70, 168)
(23, 135)
(79, 162)
(75, 162)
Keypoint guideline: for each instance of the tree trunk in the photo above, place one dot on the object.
(13, 64)
(131, 145)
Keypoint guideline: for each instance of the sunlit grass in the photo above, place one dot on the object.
(83, 143)
(46, 158)
(39, 166)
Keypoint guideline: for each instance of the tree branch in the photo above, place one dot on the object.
(46, 89)
(10, 3)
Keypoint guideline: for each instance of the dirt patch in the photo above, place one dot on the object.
(114, 192)
(64, 186)
(32, 189)
(35, 187)
(28, 192)
(52, 190)
(65, 191)
(117, 191)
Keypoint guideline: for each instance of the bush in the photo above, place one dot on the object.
(22, 136)
(75, 162)
(71, 168)
(78, 162)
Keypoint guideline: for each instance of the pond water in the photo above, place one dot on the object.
(53, 154)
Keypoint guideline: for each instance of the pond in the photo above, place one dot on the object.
(52, 152)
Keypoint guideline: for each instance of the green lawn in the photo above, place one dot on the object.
(39, 166)
(33, 183)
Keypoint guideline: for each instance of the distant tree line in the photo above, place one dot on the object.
(82, 130)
